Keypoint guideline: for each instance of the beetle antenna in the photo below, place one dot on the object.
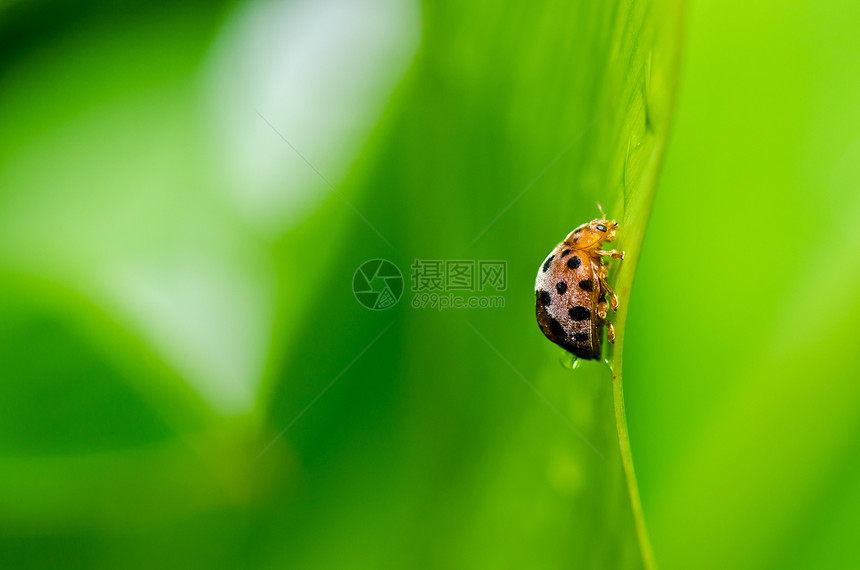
(602, 213)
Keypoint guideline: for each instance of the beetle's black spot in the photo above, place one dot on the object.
(565, 252)
(545, 297)
(561, 287)
(579, 313)
(547, 262)
(580, 337)
(576, 239)
(574, 262)
(556, 327)
(577, 231)
(586, 284)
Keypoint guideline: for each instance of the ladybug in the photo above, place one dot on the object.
(571, 289)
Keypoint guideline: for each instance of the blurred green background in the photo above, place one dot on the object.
(187, 190)
(742, 393)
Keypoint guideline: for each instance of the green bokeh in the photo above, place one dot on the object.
(188, 380)
(743, 400)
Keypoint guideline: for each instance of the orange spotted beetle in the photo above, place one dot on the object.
(571, 289)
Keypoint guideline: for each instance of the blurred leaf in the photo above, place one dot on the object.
(130, 296)
(741, 372)
(441, 444)
(410, 437)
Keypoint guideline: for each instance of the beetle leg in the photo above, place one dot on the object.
(613, 253)
(613, 298)
(601, 314)
(601, 307)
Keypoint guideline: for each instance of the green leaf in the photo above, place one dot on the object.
(742, 392)
(473, 443)
(220, 326)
